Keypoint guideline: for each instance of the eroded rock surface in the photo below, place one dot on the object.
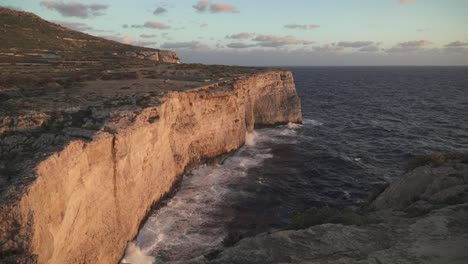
(82, 164)
(424, 219)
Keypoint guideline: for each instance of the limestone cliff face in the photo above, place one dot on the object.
(88, 200)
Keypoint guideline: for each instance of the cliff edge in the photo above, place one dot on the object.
(94, 132)
(82, 163)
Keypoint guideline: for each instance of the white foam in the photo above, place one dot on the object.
(135, 255)
(250, 138)
(294, 125)
(312, 122)
(185, 226)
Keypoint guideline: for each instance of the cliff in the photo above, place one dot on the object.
(82, 163)
(420, 218)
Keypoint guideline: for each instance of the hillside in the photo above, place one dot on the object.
(26, 35)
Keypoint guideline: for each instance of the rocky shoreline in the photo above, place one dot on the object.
(420, 218)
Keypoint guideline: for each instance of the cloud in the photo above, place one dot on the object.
(129, 40)
(74, 9)
(203, 6)
(274, 41)
(148, 36)
(156, 25)
(370, 48)
(404, 2)
(242, 35)
(355, 44)
(328, 48)
(145, 43)
(361, 46)
(457, 44)
(74, 25)
(193, 45)
(222, 8)
(238, 45)
(149, 24)
(410, 46)
(304, 27)
(80, 26)
(159, 10)
(457, 47)
(119, 38)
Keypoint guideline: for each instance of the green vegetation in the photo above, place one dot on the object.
(435, 160)
(318, 216)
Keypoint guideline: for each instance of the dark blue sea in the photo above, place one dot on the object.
(361, 127)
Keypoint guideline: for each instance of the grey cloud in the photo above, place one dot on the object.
(144, 43)
(222, 8)
(148, 36)
(456, 47)
(328, 48)
(370, 48)
(74, 25)
(156, 25)
(74, 9)
(193, 45)
(273, 41)
(318, 56)
(153, 25)
(242, 35)
(304, 27)
(409, 46)
(457, 44)
(355, 44)
(238, 45)
(203, 6)
(160, 10)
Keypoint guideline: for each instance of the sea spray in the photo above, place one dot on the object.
(312, 122)
(194, 221)
(135, 255)
(250, 138)
(294, 125)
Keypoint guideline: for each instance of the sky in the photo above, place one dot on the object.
(283, 33)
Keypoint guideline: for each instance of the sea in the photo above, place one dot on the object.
(361, 126)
